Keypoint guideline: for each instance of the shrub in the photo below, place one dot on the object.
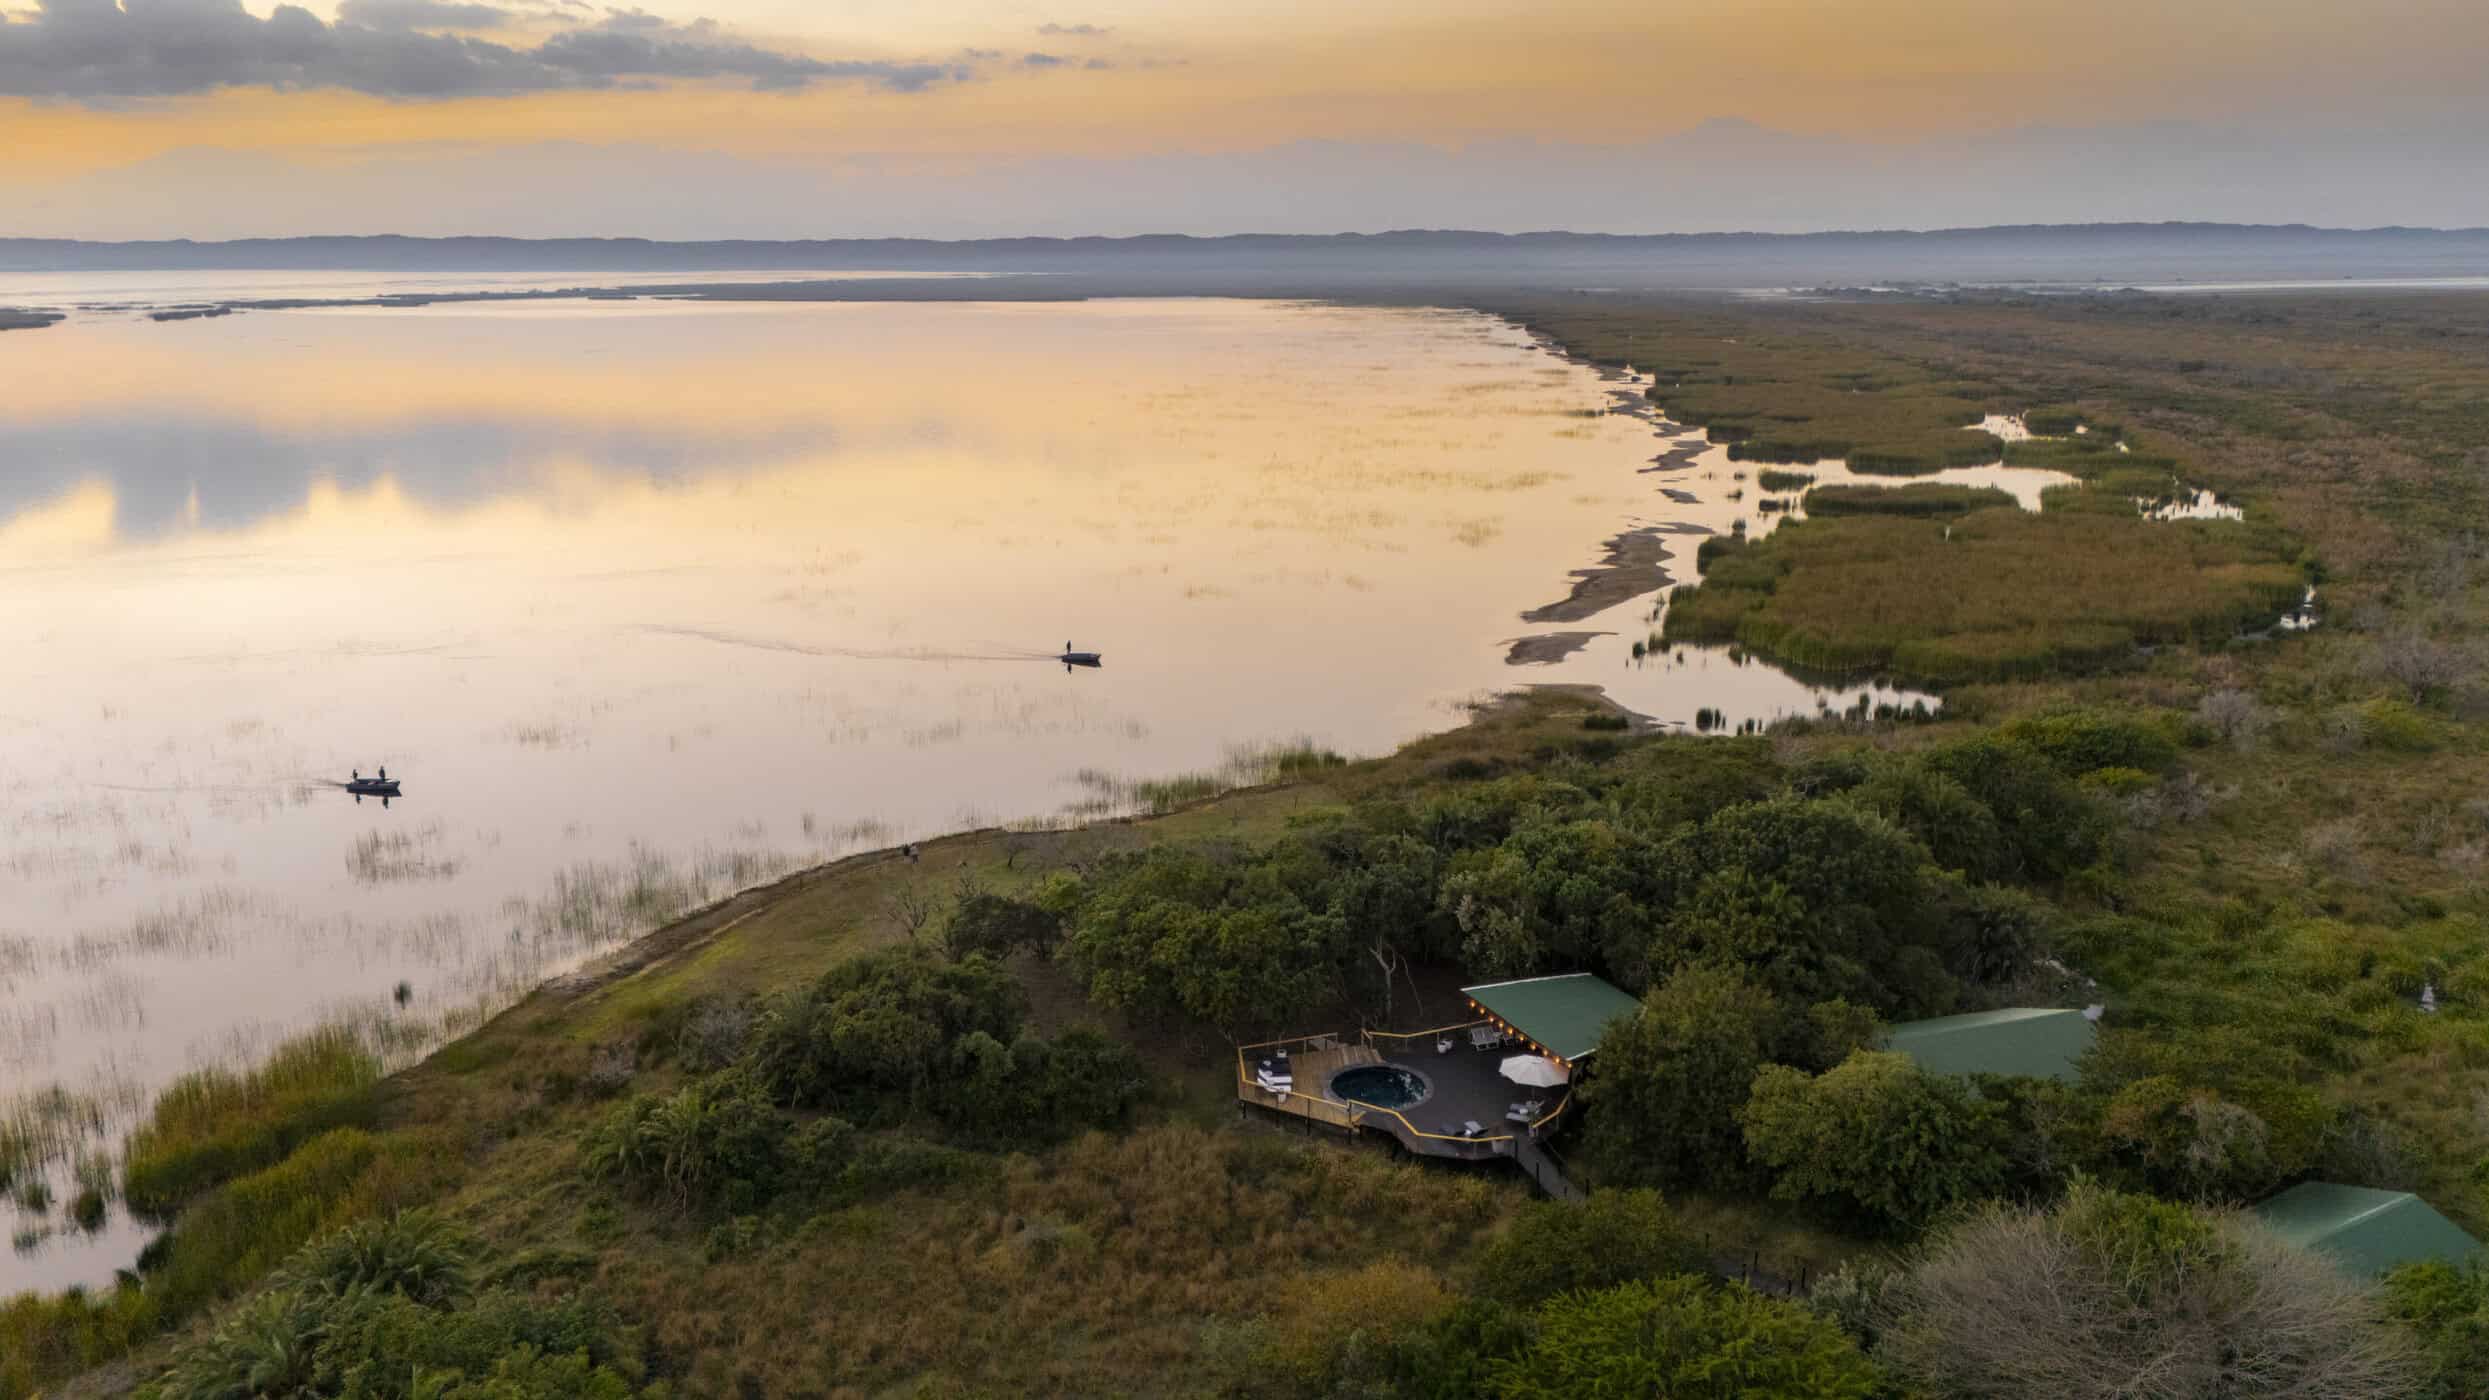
(2110, 1295)
(715, 1143)
(2188, 1142)
(2233, 716)
(2081, 740)
(1687, 1340)
(1554, 1247)
(998, 927)
(2447, 1309)
(416, 1254)
(872, 1035)
(212, 1126)
(1876, 1138)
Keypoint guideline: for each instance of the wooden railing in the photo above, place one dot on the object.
(1352, 1113)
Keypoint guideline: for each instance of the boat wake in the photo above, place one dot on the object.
(736, 639)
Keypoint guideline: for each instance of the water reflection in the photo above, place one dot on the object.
(1704, 492)
(651, 602)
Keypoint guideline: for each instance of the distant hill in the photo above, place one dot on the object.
(2075, 253)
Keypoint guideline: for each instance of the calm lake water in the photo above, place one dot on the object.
(645, 602)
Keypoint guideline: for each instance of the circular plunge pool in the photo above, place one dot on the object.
(1383, 1086)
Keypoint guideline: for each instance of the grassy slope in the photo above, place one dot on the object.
(1089, 1268)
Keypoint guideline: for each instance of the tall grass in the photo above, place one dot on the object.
(213, 1125)
(1245, 765)
(1091, 1268)
(1920, 498)
(1996, 595)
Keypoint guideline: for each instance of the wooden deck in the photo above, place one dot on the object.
(1465, 1087)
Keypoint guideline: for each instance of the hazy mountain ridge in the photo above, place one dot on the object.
(479, 252)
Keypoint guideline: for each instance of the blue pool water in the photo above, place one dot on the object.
(1384, 1086)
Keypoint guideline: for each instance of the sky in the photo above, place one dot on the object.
(972, 118)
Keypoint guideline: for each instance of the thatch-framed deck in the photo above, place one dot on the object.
(1466, 1081)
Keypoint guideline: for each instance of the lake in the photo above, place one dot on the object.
(648, 601)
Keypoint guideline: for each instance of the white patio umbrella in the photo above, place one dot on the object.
(1535, 1070)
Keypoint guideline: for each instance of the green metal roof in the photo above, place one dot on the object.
(2029, 1040)
(2369, 1230)
(1563, 1015)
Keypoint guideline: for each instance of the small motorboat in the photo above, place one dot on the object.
(383, 787)
(1071, 658)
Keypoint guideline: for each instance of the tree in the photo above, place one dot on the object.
(1816, 899)
(1156, 955)
(1684, 1339)
(2112, 1295)
(2050, 827)
(1662, 1100)
(1957, 828)
(1876, 1138)
(1554, 893)
(1554, 1247)
(873, 1034)
(999, 926)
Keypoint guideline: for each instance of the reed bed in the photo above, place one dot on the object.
(1996, 595)
(213, 1125)
(1244, 766)
(1919, 498)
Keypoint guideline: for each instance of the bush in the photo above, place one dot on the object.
(2111, 1295)
(1554, 1247)
(719, 1142)
(416, 1254)
(1879, 1140)
(1683, 1339)
(2081, 740)
(2447, 1309)
(998, 927)
(212, 1126)
(873, 1035)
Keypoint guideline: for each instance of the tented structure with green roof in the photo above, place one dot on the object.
(1562, 1015)
(2026, 1040)
(2368, 1230)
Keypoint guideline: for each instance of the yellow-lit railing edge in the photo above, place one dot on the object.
(1244, 1080)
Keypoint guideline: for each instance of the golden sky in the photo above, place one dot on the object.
(1122, 79)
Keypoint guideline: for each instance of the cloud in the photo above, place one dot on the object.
(1042, 60)
(97, 51)
(1074, 31)
(399, 15)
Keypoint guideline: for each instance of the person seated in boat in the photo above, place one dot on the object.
(358, 775)
(384, 775)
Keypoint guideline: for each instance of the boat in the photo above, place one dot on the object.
(1071, 658)
(383, 787)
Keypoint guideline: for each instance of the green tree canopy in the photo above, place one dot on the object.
(1876, 1138)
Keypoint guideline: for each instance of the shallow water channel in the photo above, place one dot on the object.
(644, 602)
